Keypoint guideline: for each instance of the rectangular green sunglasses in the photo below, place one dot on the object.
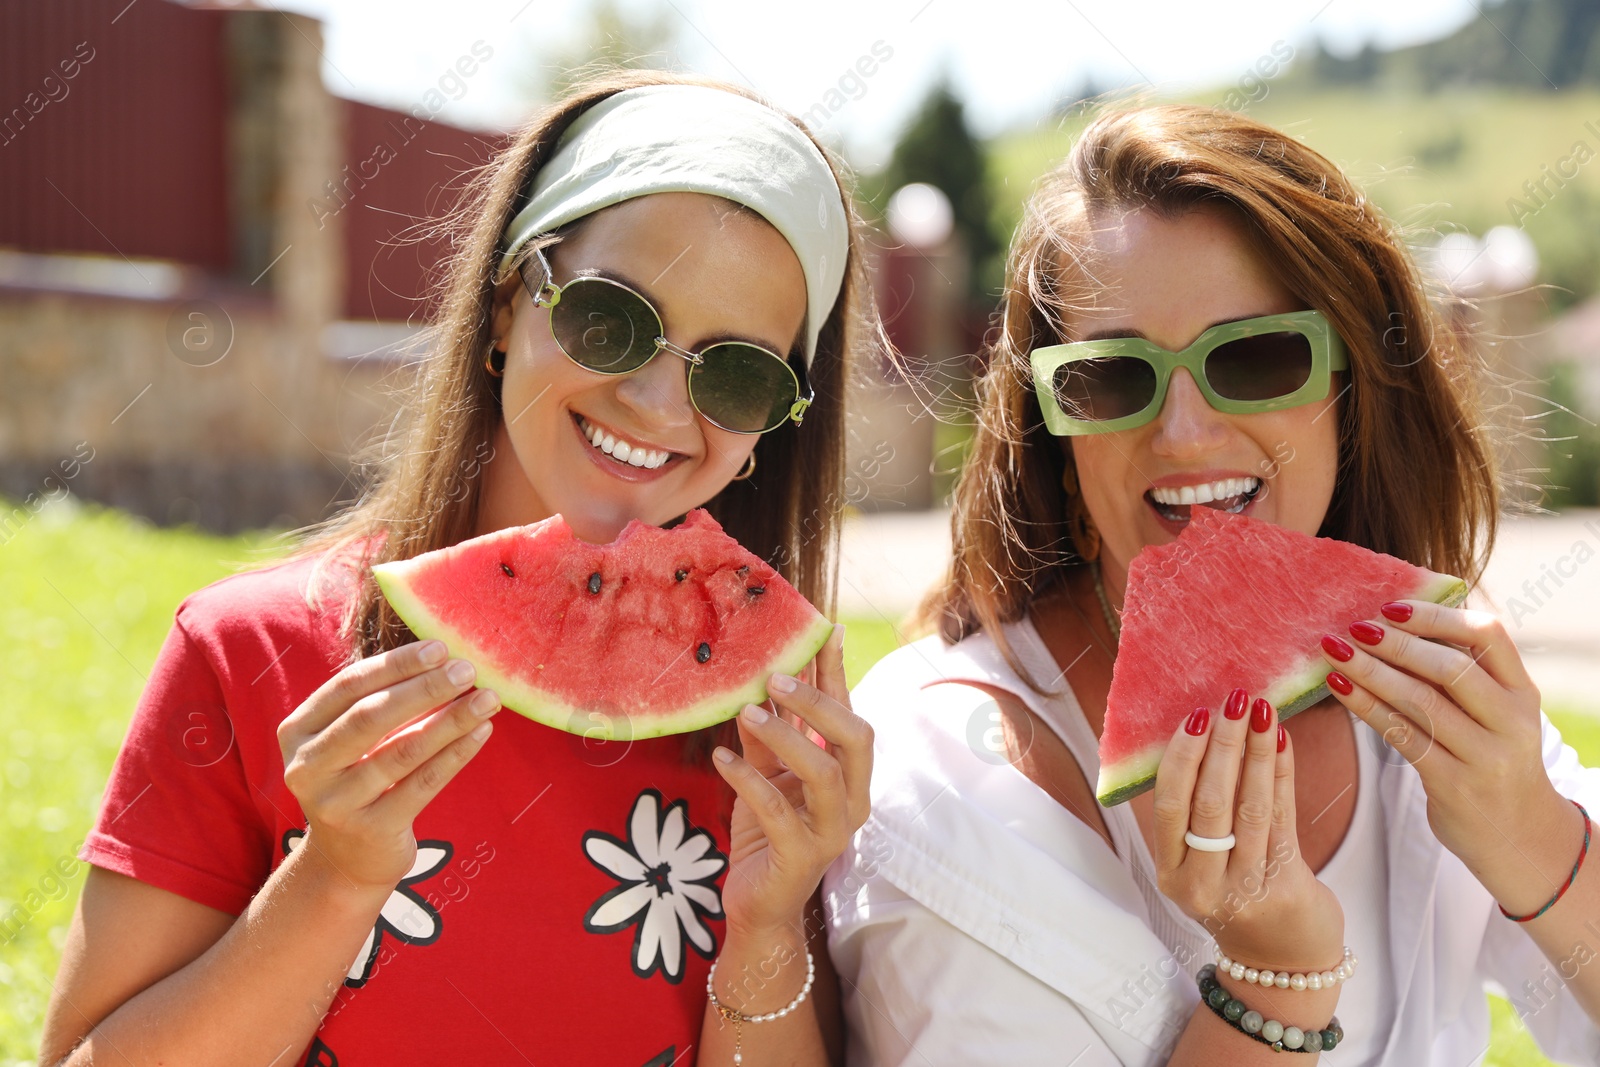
(1117, 383)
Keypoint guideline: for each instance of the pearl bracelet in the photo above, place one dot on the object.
(1283, 979)
(738, 1018)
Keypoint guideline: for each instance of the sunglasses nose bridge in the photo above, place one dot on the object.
(694, 359)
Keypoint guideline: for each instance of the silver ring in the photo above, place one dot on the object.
(1208, 844)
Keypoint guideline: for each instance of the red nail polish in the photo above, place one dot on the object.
(1237, 700)
(1283, 737)
(1365, 632)
(1340, 684)
(1396, 610)
(1199, 719)
(1260, 716)
(1336, 648)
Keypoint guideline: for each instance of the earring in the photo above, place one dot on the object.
(494, 361)
(749, 469)
(1085, 536)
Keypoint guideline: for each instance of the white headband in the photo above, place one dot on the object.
(695, 139)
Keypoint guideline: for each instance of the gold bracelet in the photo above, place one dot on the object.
(738, 1018)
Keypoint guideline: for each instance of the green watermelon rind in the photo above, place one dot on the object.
(1292, 692)
(541, 707)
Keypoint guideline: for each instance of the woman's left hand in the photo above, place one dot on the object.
(799, 801)
(1447, 689)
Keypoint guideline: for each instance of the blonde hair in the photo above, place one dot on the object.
(1412, 391)
(421, 499)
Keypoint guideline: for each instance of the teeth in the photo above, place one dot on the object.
(1205, 494)
(622, 451)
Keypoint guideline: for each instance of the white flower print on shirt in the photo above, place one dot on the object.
(668, 870)
(405, 915)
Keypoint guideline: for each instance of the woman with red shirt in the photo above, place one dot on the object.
(318, 847)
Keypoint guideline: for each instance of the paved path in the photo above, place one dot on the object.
(1543, 578)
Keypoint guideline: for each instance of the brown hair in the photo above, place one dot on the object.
(426, 492)
(1412, 389)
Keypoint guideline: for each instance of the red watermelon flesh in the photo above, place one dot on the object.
(1235, 601)
(659, 632)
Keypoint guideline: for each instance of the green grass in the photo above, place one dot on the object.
(85, 602)
(86, 598)
(866, 641)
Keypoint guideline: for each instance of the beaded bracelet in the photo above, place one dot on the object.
(1254, 1025)
(1564, 885)
(738, 1018)
(1283, 979)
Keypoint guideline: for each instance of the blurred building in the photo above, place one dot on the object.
(207, 261)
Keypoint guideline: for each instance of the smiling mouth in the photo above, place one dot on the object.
(1231, 495)
(621, 449)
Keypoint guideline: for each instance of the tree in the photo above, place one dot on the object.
(938, 148)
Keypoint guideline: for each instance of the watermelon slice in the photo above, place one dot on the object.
(1235, 601)
(659, 632)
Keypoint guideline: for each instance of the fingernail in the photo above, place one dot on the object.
(1396, 610)
(1199, 719)
(1237, 700)
(432, 653)
(482, 731)
(1340, 684)
(1260, 716)
(1283, 737)
(1365, 632)
(484, 701)
(781, 683)
(722, 755)
(838, 632)
(1337, 648)
(460, 672)
(754, 715)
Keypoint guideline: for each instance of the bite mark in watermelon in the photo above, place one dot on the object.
(659, 632)
(1235, 601)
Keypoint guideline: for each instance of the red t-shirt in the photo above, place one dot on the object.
(565, 903)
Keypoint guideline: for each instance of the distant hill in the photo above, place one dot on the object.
(1497, 123)
(1543, 45)
(1469, 159)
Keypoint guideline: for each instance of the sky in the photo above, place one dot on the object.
(1009, 59)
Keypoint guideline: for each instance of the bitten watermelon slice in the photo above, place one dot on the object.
(1235, 601)
(659, 632)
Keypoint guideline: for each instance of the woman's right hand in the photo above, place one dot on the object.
(369, 749)
(1260, 900)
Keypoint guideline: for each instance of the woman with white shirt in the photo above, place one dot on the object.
(1361, 872)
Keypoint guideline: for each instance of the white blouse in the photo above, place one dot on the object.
(974, 920)
(1358, 874)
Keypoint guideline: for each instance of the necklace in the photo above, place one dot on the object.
(1112, 622)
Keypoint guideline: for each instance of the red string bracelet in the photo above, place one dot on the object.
(1564, 885)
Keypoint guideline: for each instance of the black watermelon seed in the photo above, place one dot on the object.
(702, 653)
(594, 583)
(681, 573)
(744, 571)
(507, 568)
(756, 590)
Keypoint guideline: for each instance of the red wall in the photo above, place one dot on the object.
(137, 145)
(401, 170)
(131, 156)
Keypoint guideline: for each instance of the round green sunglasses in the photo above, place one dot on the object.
(1117, 383)
(609, 328)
